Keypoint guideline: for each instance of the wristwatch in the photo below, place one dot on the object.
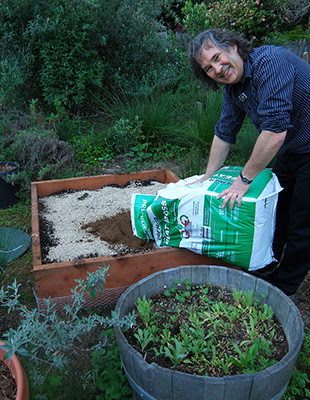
(244, 179)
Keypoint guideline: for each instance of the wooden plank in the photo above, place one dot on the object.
(36, 247)
(46, 188)
(58, 280)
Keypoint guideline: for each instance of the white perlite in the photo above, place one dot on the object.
(68, 212)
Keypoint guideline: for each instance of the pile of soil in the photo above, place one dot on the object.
(117, 231)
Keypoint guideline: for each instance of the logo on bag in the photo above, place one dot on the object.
(185, 222)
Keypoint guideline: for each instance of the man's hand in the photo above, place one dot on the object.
(197, 181)
(234, 193)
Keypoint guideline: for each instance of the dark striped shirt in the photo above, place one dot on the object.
(275, 93)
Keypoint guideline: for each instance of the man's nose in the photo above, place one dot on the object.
(217, 68)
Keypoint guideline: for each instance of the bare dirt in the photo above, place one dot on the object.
(117, 231)
(8, 386)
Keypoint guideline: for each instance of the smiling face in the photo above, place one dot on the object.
(221, 65)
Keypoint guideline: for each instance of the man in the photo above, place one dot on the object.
(272, 86)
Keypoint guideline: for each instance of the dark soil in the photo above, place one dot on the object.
(117, 231)
(8, 387)
(164, 308)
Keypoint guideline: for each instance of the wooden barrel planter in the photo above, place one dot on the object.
(19, 374)
(152, 382)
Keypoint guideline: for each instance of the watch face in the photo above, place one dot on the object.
(244, 179)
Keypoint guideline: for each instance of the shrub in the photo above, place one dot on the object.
(12, 79)
(253, 19)
(92, 149)
(40, 155)
(57, 348)
(124, 134)
(67, 51)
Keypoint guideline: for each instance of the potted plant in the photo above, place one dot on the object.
(18, 372)
(8, 168)
(7, 190)
(152, 381)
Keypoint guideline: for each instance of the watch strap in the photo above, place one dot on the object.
(245, 180)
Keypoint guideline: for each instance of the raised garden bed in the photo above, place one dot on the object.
(56, 279)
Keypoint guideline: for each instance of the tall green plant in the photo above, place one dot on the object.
(160, 115)
(205, 112)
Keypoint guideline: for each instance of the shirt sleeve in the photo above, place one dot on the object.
(274, 79)
(230, 121)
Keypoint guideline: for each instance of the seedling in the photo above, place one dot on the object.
(213, 332)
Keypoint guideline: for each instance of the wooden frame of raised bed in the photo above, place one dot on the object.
(55, 280)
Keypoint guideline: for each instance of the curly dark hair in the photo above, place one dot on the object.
(220, 38)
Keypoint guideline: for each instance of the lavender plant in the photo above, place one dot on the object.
(57, 349)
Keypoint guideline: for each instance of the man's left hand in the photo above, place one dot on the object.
(234, 193)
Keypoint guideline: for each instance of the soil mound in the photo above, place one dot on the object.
(117, 231)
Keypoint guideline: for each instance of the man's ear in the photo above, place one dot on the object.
(234, 47)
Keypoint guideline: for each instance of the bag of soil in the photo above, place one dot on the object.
(190, 216)
(141, 226)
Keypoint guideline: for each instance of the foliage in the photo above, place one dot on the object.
(40, 155)
(205, 113)
(12, 79)
(167, 152)
(254, 19)
(107, 372)
(299, 386)
(91, 148)
(300, 32)
(68, 51)
(211, 326)
(139, 158)
(124, 134)
(57, 348)
(171, 14)
(159, 115)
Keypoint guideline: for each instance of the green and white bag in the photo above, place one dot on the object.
(190, 216)
(141, 226)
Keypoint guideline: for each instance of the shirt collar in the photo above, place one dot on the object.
(246, 69)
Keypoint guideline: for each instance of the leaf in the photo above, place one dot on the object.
(93, 292)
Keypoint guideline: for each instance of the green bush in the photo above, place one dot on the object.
(254, 19)
(295, 35)
(68, 51)
(91, 149)
(124, 134)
